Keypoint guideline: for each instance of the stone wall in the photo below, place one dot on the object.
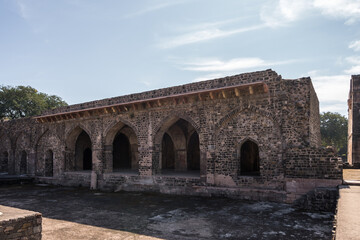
(320, 199)
(280, 117)
(354, 119)
(19, 224)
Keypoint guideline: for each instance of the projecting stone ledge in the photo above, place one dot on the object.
(19, 224)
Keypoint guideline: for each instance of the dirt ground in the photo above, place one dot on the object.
(73, 213)
(351, 174)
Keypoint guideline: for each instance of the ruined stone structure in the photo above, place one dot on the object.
(19, 224)
(251, 136)
(354, 122)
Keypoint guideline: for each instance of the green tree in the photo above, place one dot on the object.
(333, 128)
(21, 101)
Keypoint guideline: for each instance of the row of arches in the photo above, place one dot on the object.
(179, 150)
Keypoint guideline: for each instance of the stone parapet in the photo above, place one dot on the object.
(19, 224)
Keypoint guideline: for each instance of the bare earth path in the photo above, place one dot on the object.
(70, 213)
(351, 174)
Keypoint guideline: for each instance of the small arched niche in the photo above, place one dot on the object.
(121, 152)
(23, 162)
(49, 163)
(4, 161)
(83, 153)
(249, 159)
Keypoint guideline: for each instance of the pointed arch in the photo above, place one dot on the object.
(49, 163)
(171, 144)
(22, 150)
(249, 158)
(78, 153)
(249, 124)
(24, 162)
(4, 161)
(121, 148)
(233, 113)
(48, 142)
(167, 153)
(111, 131)
(5, 151)
(170, 120)
(73, 133)
(193, 152)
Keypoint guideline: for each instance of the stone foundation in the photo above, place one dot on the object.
(19, 224)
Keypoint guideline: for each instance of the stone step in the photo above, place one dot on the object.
(351, 182)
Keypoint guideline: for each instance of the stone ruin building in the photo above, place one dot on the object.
(354, 122)
(250, 136)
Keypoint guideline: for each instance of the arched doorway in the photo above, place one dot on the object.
(121, 152)
(83, 153)
(168, 153)
(121, 149)
(49, 163)
(180, 148)
(4, 162)
(23, 163)
(249, 158)
(193, 153)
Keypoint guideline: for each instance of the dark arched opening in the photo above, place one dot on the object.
(49, 163)
(168, 152)
(249, 159)
(193, 153)
(87, 159)
(23, 163)
(121, 152)
(4, 162)
(83, 153)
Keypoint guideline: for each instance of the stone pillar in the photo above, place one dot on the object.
(108, 159)
(134, 156)
(145, 161)
(354, 121)
(97, 167)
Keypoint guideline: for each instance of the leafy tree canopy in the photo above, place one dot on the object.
(21, 101)
(333, 128)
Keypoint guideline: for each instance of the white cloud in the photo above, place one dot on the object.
(153, 8)
(332, 92)
(355, 62)
(283, 12)
(346, 9)
(209, 25)
(23, 10)
(286, 11)
(203, 35)
(232, 65)
(355, 45)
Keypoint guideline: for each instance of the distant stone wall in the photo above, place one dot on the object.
(280, 117)
(19, 224)
(354, 121)
(310, 162)
(314, 121)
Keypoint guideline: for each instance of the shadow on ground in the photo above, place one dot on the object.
(73, 213)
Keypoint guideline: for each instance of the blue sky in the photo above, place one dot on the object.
(83, 50)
